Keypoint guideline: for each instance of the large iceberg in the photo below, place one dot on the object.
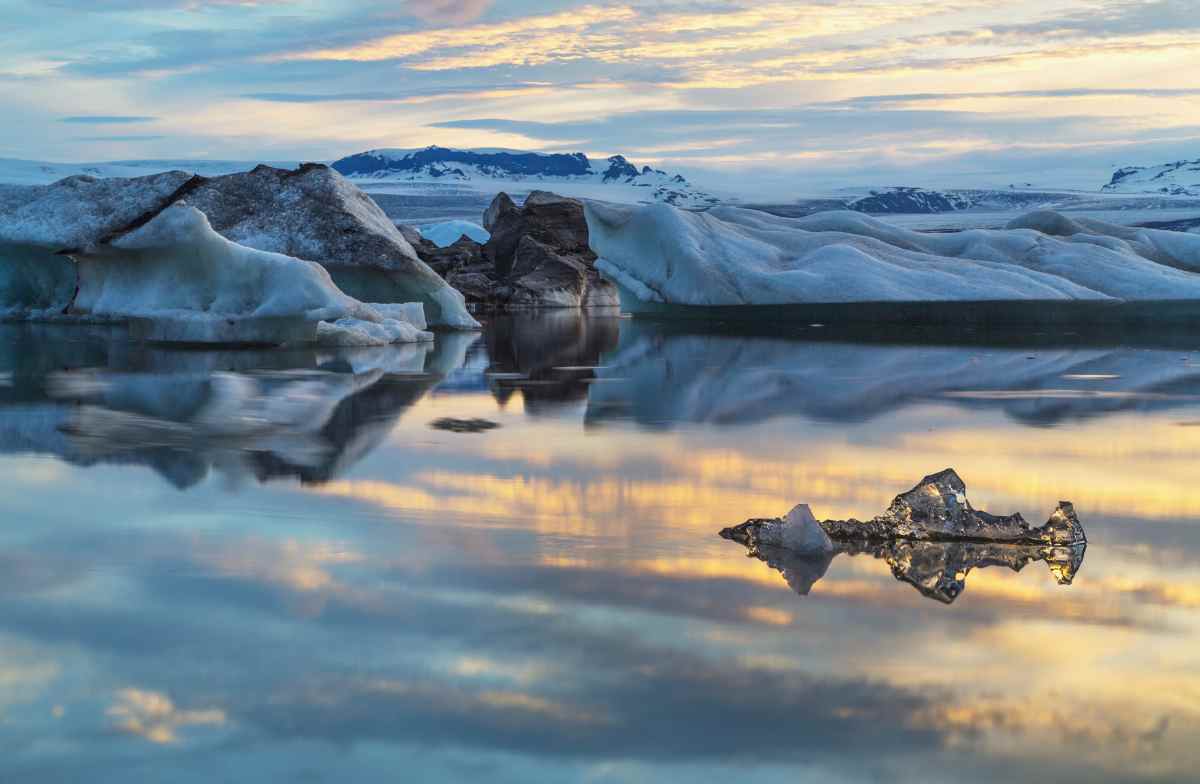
(181, 281)
(188, 259)
(314, 213)
(662, 258)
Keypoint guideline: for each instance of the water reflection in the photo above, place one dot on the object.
(90, 397)
(550, 357)
(938, 570)
(546, 602)
(663, 379)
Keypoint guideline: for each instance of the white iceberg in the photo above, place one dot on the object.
(110, 250)
(40, 226)
(314, 213)
(179, 280)
(661, 257)
(258, 262)
(446, 234)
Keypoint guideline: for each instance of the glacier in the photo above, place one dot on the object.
(665, 261)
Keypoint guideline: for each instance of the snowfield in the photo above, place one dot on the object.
(1181, 178)
(662, 257)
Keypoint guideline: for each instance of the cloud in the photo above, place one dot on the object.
(153, 716)
(476, 91)
(448, 10)
(121, 138)
(106, 119)
(145, 5)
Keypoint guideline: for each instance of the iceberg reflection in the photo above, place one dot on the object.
(657, 378)
(304, 414)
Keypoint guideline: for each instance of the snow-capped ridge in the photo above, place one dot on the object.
(1181, 178)
(434, 164)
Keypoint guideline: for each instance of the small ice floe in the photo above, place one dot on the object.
(930, 536)
(935, 510)
(446, 234)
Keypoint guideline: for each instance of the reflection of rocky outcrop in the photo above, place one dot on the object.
(660, 379)
(537, 257)
(550, 356)
(289, 414)
(930, 536)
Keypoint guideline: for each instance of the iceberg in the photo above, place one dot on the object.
(180, 281)
(668, 261)
(248, 258)
(446, 234)
(314, 213)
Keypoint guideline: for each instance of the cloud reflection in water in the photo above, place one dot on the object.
(547, 601)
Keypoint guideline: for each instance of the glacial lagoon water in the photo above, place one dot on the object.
(497, 559)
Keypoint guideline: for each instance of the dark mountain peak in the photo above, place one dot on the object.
(619, 168)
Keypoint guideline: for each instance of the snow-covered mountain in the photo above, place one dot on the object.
(923, 201)
(1181, 178)
(22, 172)
(546, 171)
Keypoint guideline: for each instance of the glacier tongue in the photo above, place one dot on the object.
(661, 256)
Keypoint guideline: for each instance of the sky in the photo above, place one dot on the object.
(964, 90)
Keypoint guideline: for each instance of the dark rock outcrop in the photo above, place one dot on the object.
(538, 256)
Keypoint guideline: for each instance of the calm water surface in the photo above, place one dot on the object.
(287, 566)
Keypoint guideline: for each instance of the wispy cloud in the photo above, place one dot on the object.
(448, 10)
(106, 119)
(152, 715)
(130, 137)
